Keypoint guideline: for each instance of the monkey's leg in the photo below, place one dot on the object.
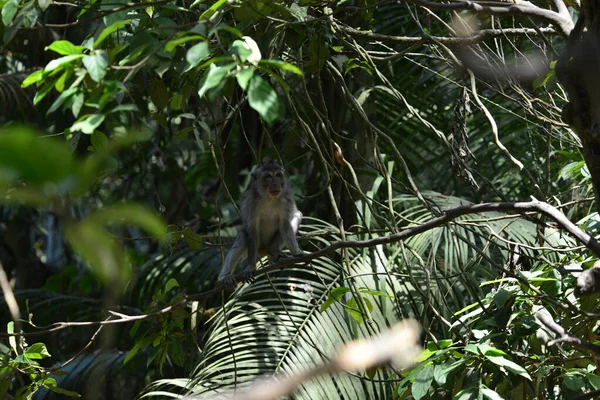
(274, 251)
(289, 234)
(235, 254)
(252, 245)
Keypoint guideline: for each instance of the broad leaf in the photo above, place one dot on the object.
(264, 99)
(96, 64)
(65, 48)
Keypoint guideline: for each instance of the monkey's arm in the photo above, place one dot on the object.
(234, 256)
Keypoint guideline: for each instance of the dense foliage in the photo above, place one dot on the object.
(129, 133)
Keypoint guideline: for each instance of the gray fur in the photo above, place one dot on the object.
(269, 219)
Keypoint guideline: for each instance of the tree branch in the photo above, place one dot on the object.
(447, 40)
(564, 336)
(562, 23)
(448, 216)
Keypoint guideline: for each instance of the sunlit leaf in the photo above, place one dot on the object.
(214, 76)
(243, 77)
(34, 77)
(422, 383)
(96, 64)
(60, 62)
(88, 124)
(212, 10)
(108, 30)
(509, 365)
(65, 48)
(9, 9)
(197, 53)
(264, 99)
(37, 351)
(282, 66)
(172, 44)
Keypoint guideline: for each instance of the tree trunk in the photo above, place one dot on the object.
(578, 70)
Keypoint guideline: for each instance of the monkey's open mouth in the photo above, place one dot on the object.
(274, 193)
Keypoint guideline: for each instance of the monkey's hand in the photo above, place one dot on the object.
(228, 280)
(247, 275)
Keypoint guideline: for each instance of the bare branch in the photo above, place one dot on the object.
(564, 336)
(447, 40)
(562, 23)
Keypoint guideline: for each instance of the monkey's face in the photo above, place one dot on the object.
(273, 183)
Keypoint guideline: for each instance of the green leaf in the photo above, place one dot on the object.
(28, 196)
(34, 77)
(489, 393)
(422, 383)
(77, 104)
(9, 10)
(373, 292)
(44, 90)
(355, 311)
(64, 96)
(139, 345)
(298, 12)
(335, 295)
(212, 10)
(176, 104)
(12, 340)
(37, 351)
(88, 124)
(60, 62)
(594, 380)
(318, 51)
(96, 64)
(282, 66)
(252, 10)
(62, 81)
(123, 107)
(509, 365)
(104, 254)
(130, 214)
(573, 382)
(65, 392)
(65, 48)
(197, 53)
(99, 140)
(24, 155)
(159, 93)
(214, 76)
(172, 44)
(192, 239)
(108, 30)
(264, 99)
(44, 4)
(441, 374)
(171, 283)
(243, 77)
(469, 393)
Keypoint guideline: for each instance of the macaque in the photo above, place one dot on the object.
(269, 219)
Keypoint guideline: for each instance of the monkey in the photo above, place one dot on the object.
(269, 220)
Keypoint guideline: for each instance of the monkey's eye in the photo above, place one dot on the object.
(278, 174)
